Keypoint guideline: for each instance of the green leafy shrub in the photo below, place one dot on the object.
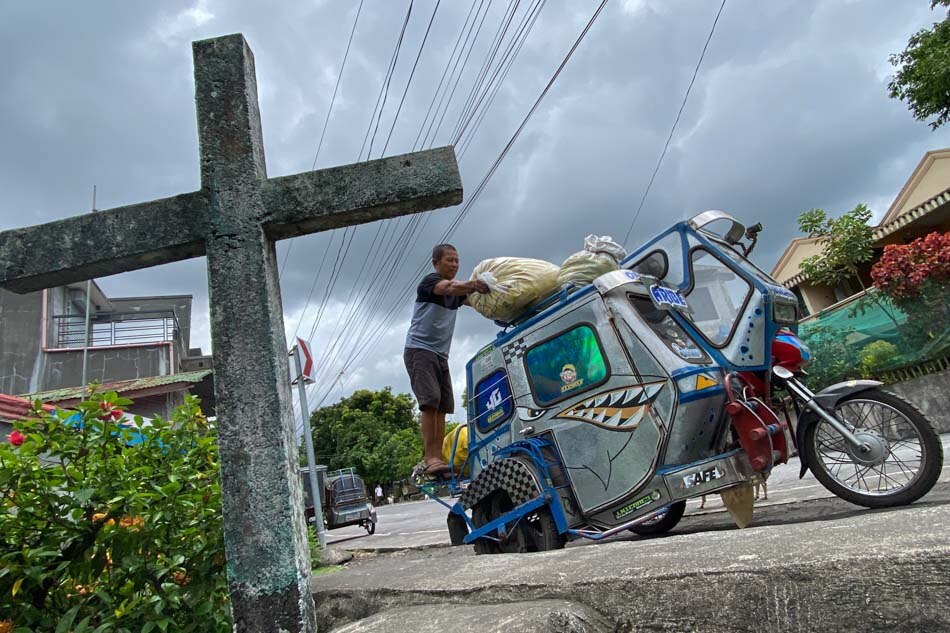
(314, 544)
(877, 357)
(111, 527)
(834, 359)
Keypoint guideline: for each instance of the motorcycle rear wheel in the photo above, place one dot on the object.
(906, 468)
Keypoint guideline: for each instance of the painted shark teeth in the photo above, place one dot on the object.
(617, 408)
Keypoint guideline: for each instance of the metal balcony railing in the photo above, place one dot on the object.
(116, 328)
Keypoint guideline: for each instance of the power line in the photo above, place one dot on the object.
(438, 88)
(387, 319)
(461, 72)
(411, 73)
(501, 73)
(337, 86)
(675, 122)
(390, 78)
(486, 65)
(290, 243)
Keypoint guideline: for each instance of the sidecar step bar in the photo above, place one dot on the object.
(596, 536)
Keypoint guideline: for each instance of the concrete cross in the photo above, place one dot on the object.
(234, 221)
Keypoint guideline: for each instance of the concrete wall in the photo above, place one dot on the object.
(930, 394)
(20, 337)
(64, 369)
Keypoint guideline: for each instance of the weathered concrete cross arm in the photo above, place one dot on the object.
(104, 243)
(361, 192)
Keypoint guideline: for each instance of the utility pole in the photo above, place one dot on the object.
(85, 347)
(315, 491)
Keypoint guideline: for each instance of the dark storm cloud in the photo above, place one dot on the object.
(789, 112)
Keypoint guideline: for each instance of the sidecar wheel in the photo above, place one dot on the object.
(535, 532)
(663, 523)
(904, 462)
(370, 528)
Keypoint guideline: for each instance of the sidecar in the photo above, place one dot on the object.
(604, 408)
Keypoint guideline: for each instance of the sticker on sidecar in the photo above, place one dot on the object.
(667, 297)
(703, 476)
(633, 506)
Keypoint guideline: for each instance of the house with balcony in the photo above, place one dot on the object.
(137, 346)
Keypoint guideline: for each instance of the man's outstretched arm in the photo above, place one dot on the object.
(454, 288)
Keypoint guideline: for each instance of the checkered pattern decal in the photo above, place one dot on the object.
(512, 475)
(514, 351)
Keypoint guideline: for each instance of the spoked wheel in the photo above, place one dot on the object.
(535, 532)
(904, 457)
(663, 523)
(370, 527)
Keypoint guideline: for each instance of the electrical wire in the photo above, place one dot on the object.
(675, 123)
(387, 319)
(411, 74)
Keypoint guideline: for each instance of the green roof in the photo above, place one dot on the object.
(72, 393)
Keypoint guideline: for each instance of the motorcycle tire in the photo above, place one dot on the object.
(370, 528)
(664, 523)
(931, 453)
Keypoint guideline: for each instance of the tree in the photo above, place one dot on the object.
(846, 242)
(372, 431)
(923, 72)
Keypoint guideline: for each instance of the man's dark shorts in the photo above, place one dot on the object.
(430, 380)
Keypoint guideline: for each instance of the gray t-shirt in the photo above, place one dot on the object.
(433, 318)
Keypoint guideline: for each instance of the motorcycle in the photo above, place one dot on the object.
(605, 408)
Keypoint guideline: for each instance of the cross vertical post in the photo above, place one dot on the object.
(267, 551)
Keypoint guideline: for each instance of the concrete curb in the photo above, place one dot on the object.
(881, 593)
(867, 571)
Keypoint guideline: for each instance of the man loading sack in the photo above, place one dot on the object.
(426, 355)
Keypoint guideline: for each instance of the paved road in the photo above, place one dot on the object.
(421, 524)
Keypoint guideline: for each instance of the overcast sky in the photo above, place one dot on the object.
(789, 112)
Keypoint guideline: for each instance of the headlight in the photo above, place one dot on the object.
(785, 313)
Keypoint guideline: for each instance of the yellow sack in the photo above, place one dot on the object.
(600, 255)
(461, 449)
(515, 284)
(584, 267)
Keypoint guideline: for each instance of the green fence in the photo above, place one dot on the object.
(870, 337)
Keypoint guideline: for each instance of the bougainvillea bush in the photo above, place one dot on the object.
(111, 526)
(916, 277)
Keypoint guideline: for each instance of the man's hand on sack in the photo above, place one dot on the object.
(481, 287)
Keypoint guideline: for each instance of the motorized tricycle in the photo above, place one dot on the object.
(604, 408)
(344, 499)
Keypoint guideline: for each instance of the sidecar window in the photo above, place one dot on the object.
(492, 401)
(655, 265)
(668, 330)
(565, 365)
(664, 261)
(717, 296)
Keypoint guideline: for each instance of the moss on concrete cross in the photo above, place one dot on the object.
(234, 220)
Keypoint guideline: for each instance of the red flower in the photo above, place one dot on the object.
(16, 438)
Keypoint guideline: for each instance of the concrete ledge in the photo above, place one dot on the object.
(542, 616)
(875, 571)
